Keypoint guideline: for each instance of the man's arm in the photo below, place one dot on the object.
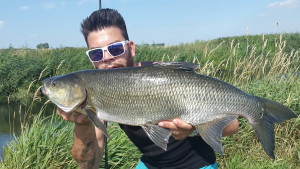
(88, 141)
(231, 129)
(181, 129)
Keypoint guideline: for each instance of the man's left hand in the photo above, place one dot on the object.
(180, 129)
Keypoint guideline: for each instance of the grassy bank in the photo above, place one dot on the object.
(20, 67)
(262, 65)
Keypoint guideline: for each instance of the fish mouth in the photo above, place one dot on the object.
(43, 90)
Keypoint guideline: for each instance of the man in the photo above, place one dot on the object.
(106, 29)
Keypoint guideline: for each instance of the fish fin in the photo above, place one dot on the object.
(96, 121)
(264, 127)
(211, 132)
(159, 135)
(178, 65)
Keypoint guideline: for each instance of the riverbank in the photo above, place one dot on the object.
(13, 115)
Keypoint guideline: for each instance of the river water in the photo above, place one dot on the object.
(10, 116)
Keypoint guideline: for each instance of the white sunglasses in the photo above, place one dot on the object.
(115, 50)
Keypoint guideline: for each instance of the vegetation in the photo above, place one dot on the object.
(45, 143)
(263, 65)
(42, 46)
(20, 68)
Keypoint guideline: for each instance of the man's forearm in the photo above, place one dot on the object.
(88, 146)
(231, 129)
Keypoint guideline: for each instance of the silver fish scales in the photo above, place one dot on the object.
(143, 96)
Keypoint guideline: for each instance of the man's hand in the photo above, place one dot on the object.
(73, 117)
(180, 129)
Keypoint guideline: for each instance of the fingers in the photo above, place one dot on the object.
(180, 124)
(176, 124)
(180, 129)
(63, 114)
(73, 117)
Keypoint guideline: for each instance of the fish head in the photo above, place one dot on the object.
(66, 91)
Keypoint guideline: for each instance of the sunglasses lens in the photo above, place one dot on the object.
(116, 49)
(96, 55)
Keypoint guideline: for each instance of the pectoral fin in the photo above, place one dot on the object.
(159, 136)
(211, 132)
(96, 121)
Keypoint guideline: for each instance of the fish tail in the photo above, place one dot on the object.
(264, 127)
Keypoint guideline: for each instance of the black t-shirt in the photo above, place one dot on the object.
(189, 153)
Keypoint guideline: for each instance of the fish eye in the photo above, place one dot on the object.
(53, 84)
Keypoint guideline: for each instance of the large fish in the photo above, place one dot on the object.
(143, 96)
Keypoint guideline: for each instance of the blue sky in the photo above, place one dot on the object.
(26, 23)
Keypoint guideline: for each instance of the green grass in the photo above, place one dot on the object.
(44, 143)
(244, 151)
(263, 65)
(121, 152)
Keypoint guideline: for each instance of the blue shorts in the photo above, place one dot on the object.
(141, 165)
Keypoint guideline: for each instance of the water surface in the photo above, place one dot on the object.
(12, 116)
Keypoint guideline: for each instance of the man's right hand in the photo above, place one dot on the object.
(73, 117)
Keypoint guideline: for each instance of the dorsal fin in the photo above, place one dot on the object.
(177, 65)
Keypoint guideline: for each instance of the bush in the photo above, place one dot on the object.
(42, 46)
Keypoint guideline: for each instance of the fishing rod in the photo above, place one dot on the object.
(105, 123)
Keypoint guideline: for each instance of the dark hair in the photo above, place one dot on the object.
(101, 19)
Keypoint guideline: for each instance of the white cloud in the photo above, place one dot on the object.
(1, 23)
(284, 4)
(24, 8)
(80, 2)
(52, 5)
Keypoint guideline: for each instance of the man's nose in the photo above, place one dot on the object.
(107, 56)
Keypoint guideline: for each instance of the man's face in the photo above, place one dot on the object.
(107, 36)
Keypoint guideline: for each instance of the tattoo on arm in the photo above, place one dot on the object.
(86, 164)
(86, 149)
(87, 160)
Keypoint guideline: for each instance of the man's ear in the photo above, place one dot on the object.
(131, 47)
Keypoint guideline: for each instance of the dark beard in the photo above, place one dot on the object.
(130, 60)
